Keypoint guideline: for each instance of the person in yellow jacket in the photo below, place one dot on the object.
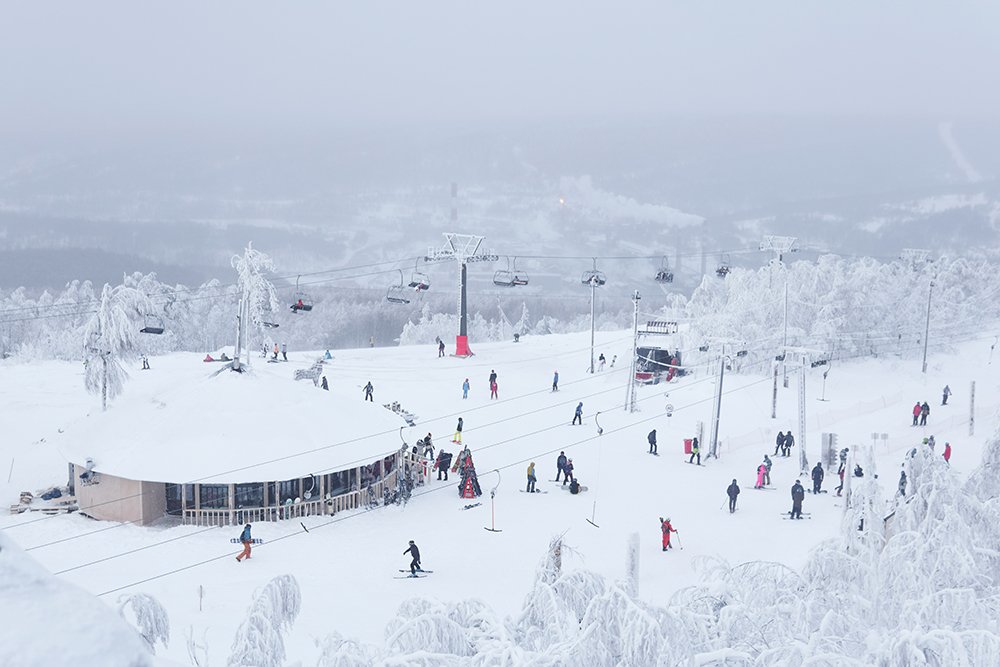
(531, 478)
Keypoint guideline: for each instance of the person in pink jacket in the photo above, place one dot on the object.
(761, 469)
(916, 413)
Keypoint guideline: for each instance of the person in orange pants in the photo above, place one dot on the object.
(247, 541)
(667, 529)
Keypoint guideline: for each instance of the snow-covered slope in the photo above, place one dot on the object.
(346, 563)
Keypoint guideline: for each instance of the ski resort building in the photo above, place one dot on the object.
(213, 447)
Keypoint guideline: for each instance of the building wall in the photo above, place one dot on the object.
(119, 499)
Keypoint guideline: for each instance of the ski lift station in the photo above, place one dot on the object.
(271, 448)
(658, 352)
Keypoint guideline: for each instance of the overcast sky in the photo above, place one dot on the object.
(77, 67)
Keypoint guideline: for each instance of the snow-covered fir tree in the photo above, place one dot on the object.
(110, 339)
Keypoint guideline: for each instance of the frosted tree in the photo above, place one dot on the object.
(258, 641)
(523, 324)
(148, 617)
(259, 300)
(109, 339)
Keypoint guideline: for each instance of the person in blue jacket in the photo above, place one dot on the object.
(578, 417)
(247, 540)
(555, 382)
(465, 388)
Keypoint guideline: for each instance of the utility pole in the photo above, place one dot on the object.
(240, 318)
(784, 341)
(774, 393)
(630, 395)
(803, 461)
(593, 293)
(714, 445)
(927, 327)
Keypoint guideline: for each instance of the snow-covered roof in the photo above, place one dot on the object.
(182, 421)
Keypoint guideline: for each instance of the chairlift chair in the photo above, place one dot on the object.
(724, 267)
(663, 274)
(520, 277)
(593, 276)
(395, 293)
(300, 300)
(419, 281)
(151, 324)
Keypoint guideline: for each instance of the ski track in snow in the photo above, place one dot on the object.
(346, 564)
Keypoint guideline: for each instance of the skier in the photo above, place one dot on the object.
(925, 411)
(840, 488)
(465, 388)
(561, 465)
(568, 472)
(578, 416)
(415, 563)
(145, 362)
(428, 447)
(789, 443)
(732, 492)
(779, 442)
(247, 541)
(695, 451)
(458, 432)
(440, 348)
(817, 476)
(531, 478)
(368, 388)
(652, 441)
(916, 413)
(798, 494)
(325, 385)
(666, 528)
(767, 471)
(555, 382)
(946, 394)
(493, 377)
(947, 453)
(902, 482)
(601, 359)
(284, 351)
(493, 390)
(275, 352)
(761, 469)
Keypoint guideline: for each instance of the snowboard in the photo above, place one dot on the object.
(255, 540)
(469, 507)
(535, 491)
(653, 453)
(789, 518)
(821, 491)
(695, 464)
(566, 488)
(761, 488)
(410, 576)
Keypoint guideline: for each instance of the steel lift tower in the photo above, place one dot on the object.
(462, 248)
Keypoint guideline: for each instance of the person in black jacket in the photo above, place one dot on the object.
(415, 563)
(779, 442)
(732, 492)
(561, 464)
(798, 494)
(789, 443)
(442, 464)
(493, 377)
(817, 475)
(652, 441)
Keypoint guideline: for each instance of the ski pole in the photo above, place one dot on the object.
(678, 534)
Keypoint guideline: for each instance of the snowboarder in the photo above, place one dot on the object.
(568, 472)
(779, 442)
(442, 464)
(902, 482)
(798, 494)
(561, 465)
(947, 453)
(493, 390)
(695, 451)
(458, 432)
(555, 381)
(946, 394)
(574, 486)
(493, 377)
(531, 478)
(840, 488)
(652, 441)
(465, 388)
(428, 447)
(666, 528)
(145, 362)
(275, 357)
(328, 355)
(440, 348)
(415, 563)
(761, 469)
(578, 416)
(369, 389)
(925, 411)
(789, 443)
(284, 351)
(916, 413)
(601, 359)
(817, 476)
(767, 471)
(247, 541)
(325, 385)
(732, 492)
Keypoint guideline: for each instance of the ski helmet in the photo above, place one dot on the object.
(411, 541)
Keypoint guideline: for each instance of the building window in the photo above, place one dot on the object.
(249, 495)
(214, 496)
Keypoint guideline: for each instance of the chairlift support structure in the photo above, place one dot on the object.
(300, 300)
(396, 293)
(779, 245)
(461, 248)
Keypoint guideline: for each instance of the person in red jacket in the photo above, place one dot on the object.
(667, 529)
(916, 413)
(947, 452)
